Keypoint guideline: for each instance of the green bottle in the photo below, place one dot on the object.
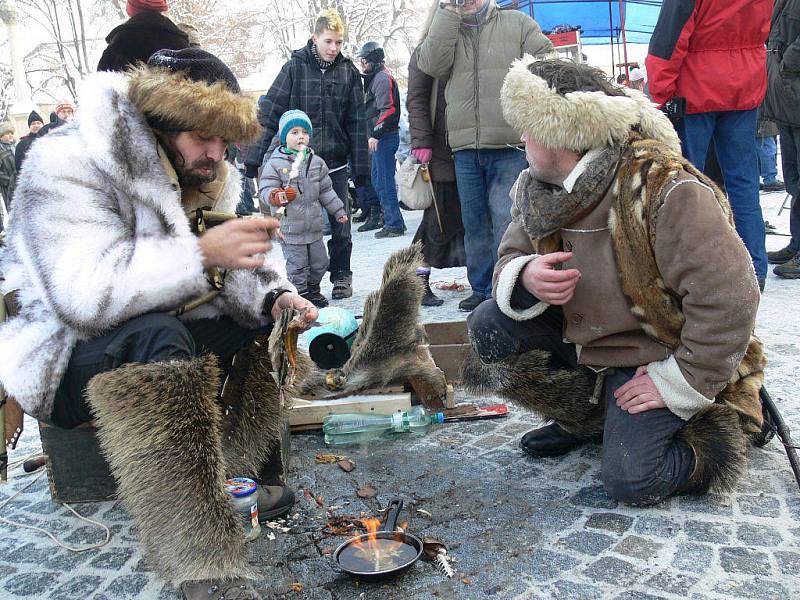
(361, 427)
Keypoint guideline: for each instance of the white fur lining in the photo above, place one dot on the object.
(680, 397)
(505, 286)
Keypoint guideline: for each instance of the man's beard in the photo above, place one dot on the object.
(187, 174)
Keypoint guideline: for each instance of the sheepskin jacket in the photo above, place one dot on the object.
(100, 236)
(666, 282)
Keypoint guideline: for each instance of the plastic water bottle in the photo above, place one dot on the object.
(360, 427)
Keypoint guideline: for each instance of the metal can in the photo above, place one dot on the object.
(243, 493)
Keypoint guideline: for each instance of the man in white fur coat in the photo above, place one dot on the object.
(100, 255)
(624, 301)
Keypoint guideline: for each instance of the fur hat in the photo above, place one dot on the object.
(578, 120)
(191, 89)
(6, 127)
(33, 117)
(293, 118)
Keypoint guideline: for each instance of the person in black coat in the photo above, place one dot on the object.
(441, 230)
(326, 86)
(140, 36)
(35, 124)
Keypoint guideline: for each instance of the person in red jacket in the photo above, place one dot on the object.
(712, 53)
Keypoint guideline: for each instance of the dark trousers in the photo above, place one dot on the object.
(340, 246)
(149, 338)
(642, 463)
(790, 161)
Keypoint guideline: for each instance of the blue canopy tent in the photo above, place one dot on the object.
(614, 22)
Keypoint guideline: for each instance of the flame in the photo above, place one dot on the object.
(380, 553)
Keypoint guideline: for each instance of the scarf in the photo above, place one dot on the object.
(323, 64)
(545, 208)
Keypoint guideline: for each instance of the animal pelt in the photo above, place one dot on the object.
(159, 427)
(719, 446)
(99, 237)
(742, 392)
(530, 381)
(252, 415)
(390, 344)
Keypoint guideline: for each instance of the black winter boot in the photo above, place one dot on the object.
(373, 220)
(778, 257)
(790, 269)
(552, 440)
(314, 295)
(428, 297)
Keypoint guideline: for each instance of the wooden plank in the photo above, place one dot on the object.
(389, 389)
(449, 359)
(448, 332)
(312, 413)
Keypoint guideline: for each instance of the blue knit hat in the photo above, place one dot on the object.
(293, 118)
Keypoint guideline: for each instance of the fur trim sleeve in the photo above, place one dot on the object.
(505, 287)
(94, 275)
(680, 397)
(244, 291)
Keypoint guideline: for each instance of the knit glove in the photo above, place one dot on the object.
(282, 196)
(423, 155)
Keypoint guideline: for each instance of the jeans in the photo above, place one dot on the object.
(641, 461)
(767, 159)
(484, 180)
(790, 161)
(384, 166)
(340, 246)
(153, 337)
(733, 133)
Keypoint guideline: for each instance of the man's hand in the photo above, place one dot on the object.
(373, 144)
(342, 219)
(639, 394)
(233, 244)
(296, 301)
(542, 280)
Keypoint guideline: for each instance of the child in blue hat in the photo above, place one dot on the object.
(294, 183)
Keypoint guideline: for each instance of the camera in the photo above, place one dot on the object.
(675, 109)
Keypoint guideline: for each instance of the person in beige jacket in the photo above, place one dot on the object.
(471, 47)
(624, 301)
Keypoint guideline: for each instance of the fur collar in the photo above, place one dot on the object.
(544, 208)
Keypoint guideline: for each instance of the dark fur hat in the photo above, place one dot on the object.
(191, 89)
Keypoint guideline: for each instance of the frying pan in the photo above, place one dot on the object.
(386, 532)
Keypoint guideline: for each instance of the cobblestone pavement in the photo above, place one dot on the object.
(517, 528)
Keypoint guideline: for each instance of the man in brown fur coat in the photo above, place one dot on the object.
(129, 318)
(624, 301)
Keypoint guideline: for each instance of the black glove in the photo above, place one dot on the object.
(250, 171)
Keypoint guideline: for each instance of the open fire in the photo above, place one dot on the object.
(376, 551)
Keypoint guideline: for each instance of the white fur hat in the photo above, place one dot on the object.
(578, 121)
